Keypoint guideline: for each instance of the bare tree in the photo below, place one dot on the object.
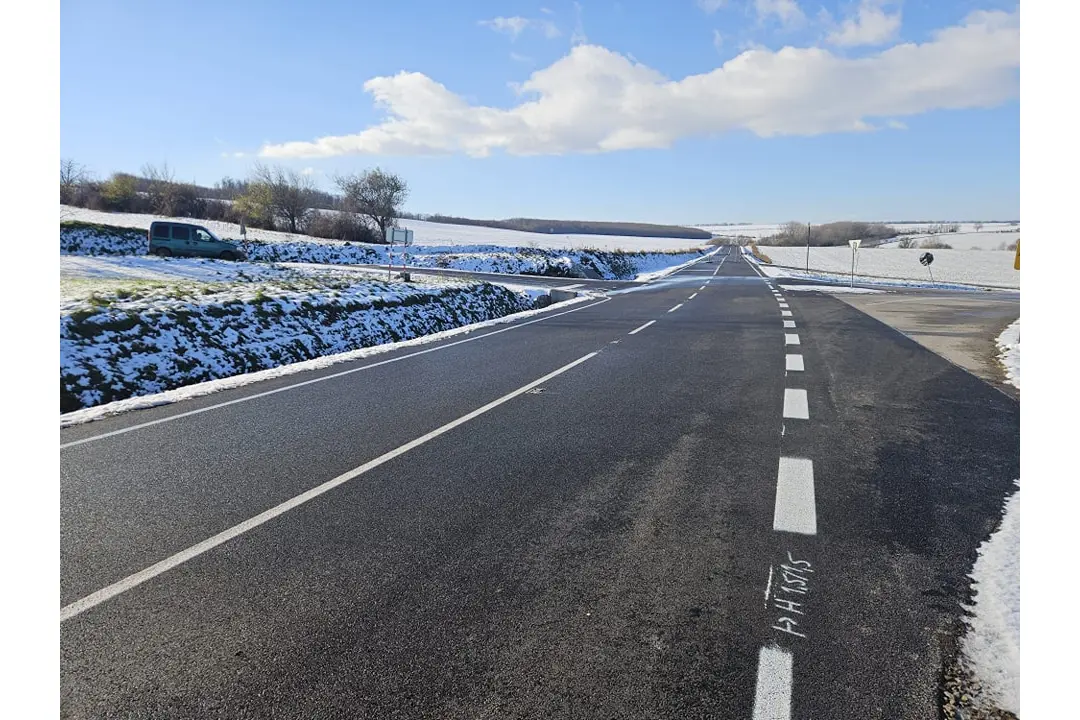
(376, 196)
(168, 197)
(73, 176)
(291, 194)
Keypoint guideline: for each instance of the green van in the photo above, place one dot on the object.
(183, 239)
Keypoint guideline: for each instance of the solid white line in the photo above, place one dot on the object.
(795, 363)
(791, 339)
(789, 323)
(637, 330)
(795, 405)
(772, 696)
(255, 396)
(692, 296)
(675, 308)
(795, 510)
(183, 556)
(785, 313)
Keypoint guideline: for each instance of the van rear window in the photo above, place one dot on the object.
(161, 231)
(180, 232)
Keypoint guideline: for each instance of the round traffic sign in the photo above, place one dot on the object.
(926, 258)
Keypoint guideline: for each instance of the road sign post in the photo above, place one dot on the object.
(403, 236)
(854, 250)
(926, 259)
(807, 247)
(1016, 262)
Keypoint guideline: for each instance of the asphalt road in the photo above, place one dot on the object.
(604, 514)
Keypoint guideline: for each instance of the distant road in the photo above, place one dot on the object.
(692, 499)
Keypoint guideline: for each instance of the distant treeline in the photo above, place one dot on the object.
(836, 233)
(573, 227)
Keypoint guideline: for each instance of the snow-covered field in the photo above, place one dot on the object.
(966, 240)
(425, 233)
(992, 268)
(102, 239)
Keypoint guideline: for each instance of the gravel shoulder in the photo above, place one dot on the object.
(961, 327)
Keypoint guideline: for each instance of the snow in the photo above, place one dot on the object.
(991, 647)
(213, 386)
(832, 289)
(992, 268)
(425, 233)
(965, 240)
(1009, 348)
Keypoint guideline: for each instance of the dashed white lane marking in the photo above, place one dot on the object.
(785, 313)
(675, 308)
(795, 405)
(96, 598)
(692, 296)
(637, 330)
(795, 510)
(702, 287)
(794, 363)
(791, 338)
(785, 306)
(789, 323)
(772, 696)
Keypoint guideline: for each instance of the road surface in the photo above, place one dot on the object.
(699, 498)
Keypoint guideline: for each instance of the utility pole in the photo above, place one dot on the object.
(807, 247)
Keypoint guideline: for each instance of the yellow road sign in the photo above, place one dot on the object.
(1016, 262)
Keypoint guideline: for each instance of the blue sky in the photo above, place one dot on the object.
(687, 111)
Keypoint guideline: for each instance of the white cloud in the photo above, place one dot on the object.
(578, 36)
(711, 6)
(308, 171)
(717, 40)
(597, 100)
(896, 125)
(871, 25)
(514, 26)
(787, 12)
(233, 154)
(517, 57)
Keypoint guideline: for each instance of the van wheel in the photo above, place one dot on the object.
(163, 252)
(227, 255)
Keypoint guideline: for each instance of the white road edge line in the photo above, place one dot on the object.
(637, 330)
(795, 405)
(331, 376)
(772, 695)
(794, 363)
(131, 581)
(675, 308)
(795, 510)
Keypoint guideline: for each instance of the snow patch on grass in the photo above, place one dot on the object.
(124, 344)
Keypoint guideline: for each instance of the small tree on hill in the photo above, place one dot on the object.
(118, 192)
(72, 178)
(374, 195)
(291, 195)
